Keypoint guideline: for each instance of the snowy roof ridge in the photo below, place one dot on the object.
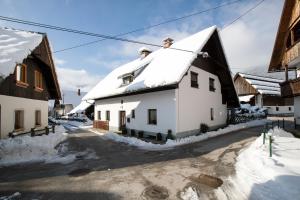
(165, 66)
(262, 78)
(15, 46)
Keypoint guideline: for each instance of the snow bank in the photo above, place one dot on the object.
(181, 141)
(189, 194)
(247, 110)
(260, 177)
(31, 149)
(15, 45)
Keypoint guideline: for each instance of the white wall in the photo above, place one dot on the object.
(258, 100)
(8, 106)
(297, 109)
(194, 103)
(163, 101)
(281, 110)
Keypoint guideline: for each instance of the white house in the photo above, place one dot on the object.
(264, 92)
(27, 81)
(171, 90)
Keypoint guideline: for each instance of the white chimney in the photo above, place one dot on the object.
(167, 42)
(144, 52)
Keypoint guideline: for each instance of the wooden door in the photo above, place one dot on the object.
(122, 119)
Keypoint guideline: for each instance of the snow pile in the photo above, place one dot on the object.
(259, 176)
(149, 71)
(15, 45)
(189, 194)
(71, 123)
(31, 149)
(181, 141)
(251, 111)
(16, 195)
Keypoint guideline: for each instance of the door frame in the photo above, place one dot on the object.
(122, 113)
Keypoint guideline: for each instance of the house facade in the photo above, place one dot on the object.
(263, 92)
(169, 90)
(28, 80)
(286, 55)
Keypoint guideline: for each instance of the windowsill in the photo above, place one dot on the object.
(212, 90)
(22, 84)
(152, 124)
(37, 89)
(194, 85)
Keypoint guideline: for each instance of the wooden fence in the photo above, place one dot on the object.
(34, 132)
(101, 124)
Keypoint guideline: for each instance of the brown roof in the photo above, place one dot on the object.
(279, 47)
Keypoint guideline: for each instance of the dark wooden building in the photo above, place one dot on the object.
(286, 52)
(28, 80)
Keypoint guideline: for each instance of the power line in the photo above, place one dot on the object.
(242, 15)
(151, 26)
(15, 20)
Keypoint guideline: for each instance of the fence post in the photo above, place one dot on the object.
(278, 125)
(283, 123)
(295, 125)
(270, 144)
(47, 130)
(264, 137)
(53, 128)
(32, 132)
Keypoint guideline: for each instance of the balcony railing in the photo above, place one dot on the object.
(292, 53)
(290, 88)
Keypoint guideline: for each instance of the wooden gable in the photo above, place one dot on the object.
(281, 54)
(243, 87)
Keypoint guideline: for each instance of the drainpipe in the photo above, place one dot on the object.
(286, 72)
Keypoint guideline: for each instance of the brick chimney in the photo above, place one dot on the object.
(168, 42)
(144, 52)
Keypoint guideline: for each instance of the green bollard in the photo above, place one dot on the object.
(270, 145)
(264, 137)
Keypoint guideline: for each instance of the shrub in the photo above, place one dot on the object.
(132, 132)
(158, 136)
(141, 134)
(203, 128)
(170, 135)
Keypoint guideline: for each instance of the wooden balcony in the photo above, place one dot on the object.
(292, 53)
(290, 88)
(101, 124)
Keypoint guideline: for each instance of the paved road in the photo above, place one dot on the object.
(124, 172)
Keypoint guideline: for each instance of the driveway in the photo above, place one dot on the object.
(124, 172)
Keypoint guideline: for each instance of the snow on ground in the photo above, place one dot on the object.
(31, 149)
(180, 141)
(16, 195)
(259, 176)
(74, 125)
(189, 194)
(247, 110)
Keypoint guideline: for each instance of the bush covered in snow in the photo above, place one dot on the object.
(251, 111)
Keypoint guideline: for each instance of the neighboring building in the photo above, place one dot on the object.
(85, 107)
(263, 92)
(286, 54)
(70, 100)
(172, 90)
(27, 81)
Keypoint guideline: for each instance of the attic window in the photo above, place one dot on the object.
(21, 75)
(194, 80)
(127, 79)
(38, 80)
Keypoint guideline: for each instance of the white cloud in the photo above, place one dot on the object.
(59, 62)
(71, 79)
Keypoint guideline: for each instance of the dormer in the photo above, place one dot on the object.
(127, 78)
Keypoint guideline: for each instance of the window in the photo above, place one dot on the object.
(21, 75)
(289, 41)
(19, 120)
(38, 80)
(277, 108)
(127, 79)
(212, 85)
(194, 80)
(107, 115)
(152, 116)
(99, 115)
(212, 114)
(296, 32)
(290, 108)
(133, 114)
(37, 118)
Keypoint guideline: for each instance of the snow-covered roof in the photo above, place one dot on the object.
(15, 46)
(263, 85)
(165, 66)
(82, 106)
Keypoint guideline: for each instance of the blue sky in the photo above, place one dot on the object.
(248, 43)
